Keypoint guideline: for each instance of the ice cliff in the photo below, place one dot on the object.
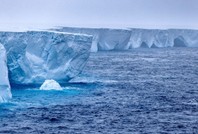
(33, 57)
(123, 39)
(163, 38)
(5, 93)
(104, 39)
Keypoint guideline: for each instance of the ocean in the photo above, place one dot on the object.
(136, 91)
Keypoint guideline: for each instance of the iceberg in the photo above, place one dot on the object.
(34, 56)
(157, 38)
(50, 85)
(105, 39)
(5, 93)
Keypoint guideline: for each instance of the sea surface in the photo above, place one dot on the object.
(141, 91)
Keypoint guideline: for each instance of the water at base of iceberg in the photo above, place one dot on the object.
(137, 91)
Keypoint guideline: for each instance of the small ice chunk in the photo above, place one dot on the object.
(50, 85)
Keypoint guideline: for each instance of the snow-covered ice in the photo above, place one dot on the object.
(5, 93)
(50, 85)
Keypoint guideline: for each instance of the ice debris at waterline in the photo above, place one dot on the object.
(5, 92)
(50, 85)
(124, 39)
(36, 56)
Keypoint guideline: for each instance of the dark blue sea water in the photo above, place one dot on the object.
(138, 91)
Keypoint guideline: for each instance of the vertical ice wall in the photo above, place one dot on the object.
(104, 39)
(5, 93)
(33, 57)
(122, 39)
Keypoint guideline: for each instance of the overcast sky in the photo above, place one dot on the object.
(100, 13)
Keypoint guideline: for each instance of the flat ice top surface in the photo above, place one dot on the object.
(139, 91)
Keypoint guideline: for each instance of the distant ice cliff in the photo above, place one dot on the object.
(124, 39)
